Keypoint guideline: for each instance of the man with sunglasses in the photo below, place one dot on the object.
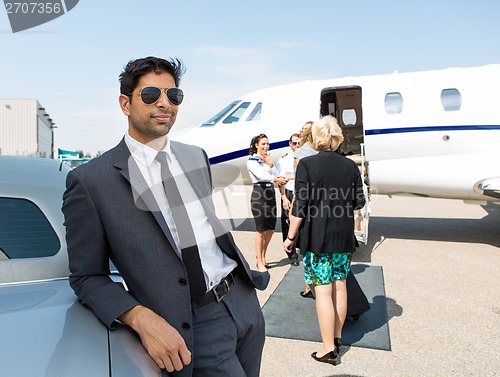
(146, 205)
(286, 168)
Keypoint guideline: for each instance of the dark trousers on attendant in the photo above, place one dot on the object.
(229, 335)
(285, 221)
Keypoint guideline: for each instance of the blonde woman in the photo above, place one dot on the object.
(305, 149)
(328, 188)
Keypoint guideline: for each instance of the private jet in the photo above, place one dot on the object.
(428, 133)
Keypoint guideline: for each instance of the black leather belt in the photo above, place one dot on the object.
(218, 292)
(264, 184)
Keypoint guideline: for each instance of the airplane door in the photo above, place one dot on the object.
(345, 104)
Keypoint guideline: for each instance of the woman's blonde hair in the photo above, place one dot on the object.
(305, 133)
(326, 134)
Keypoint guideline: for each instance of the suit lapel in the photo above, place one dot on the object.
(194, 169)
(198, 175)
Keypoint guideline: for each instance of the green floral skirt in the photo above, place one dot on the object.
(324, 268)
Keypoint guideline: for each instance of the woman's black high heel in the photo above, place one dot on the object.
(330, 357)
(309, 294)
(338, 344)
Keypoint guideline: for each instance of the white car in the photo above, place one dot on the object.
(44, 330)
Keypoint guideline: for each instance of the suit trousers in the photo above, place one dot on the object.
(285, 224)
(229, 335)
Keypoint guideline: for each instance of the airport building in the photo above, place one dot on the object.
(26, 129)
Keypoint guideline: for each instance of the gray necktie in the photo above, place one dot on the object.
(189, 248)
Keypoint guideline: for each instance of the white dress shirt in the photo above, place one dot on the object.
(286, 166)
(259, 171)
(216, 265)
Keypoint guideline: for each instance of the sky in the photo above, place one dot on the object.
(71, 64)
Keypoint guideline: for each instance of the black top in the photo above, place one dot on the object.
(328, 188)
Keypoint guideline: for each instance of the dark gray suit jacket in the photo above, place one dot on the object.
(110, 214)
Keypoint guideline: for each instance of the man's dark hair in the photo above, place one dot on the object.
(135, 69)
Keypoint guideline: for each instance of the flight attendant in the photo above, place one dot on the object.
(263, 200)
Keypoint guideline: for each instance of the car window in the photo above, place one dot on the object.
(25, 232)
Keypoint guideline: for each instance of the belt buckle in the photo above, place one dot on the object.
(220, 296)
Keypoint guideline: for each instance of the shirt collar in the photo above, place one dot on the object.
(255, 157)
(143, 153)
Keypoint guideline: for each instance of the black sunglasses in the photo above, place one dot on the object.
(151, 94)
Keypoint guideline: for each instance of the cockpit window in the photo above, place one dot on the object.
(213, 120)
(236, 114)
(25, 232)
(255, 114)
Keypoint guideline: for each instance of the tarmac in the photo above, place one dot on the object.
(441, 268)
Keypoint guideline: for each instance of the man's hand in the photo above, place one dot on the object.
(162, 341)
(280, 180)
(285, 203)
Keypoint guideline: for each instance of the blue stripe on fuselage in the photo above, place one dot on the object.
(242, 153)
(400, 130)
(381, 131)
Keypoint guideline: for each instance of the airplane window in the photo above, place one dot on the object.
(331, 108)
(451, 100)
(236, 114)
(393, 103)
(220, 114)
(255, 114)
(25, 232)
(349, 117)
